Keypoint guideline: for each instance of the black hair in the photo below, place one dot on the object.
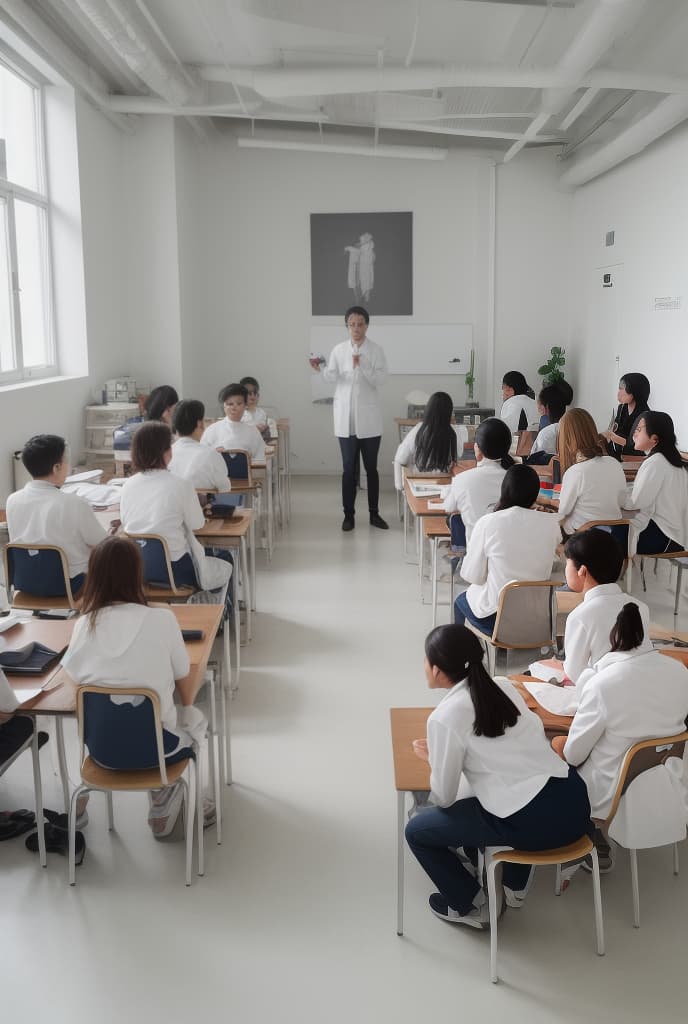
(493, 438)
(598, 551)
(148, 446)
(565, 389)
(436, 439)
(458, 653)
(552, 399)
(250, 382)
(230, 390)
(638, 385)
(662, 425)
(42, 453)
(515, 379)
(360, 311)
(520, 488)
(627, 632)
(186, 417)
(159, 400)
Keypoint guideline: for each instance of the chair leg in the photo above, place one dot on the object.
(401, 808)
(213, 768)
(675, 858)
(111, 811)
(62, 759)
(494, 914)
(679, 574)
(557, 881)
(198, 795)
(635, 887)
(642, 573)
(597, 899)
(72, 832)
(38, 798)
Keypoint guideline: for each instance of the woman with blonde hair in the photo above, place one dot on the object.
(593, 483)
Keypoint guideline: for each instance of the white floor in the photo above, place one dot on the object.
(295, 917)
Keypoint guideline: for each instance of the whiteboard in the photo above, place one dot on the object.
(409, 348)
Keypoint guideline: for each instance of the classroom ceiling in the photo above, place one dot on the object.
(599, 80)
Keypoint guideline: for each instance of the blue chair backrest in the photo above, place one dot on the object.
(122, 736)
(457, 529)
(36, 572)
(237, 465)
(154, 562)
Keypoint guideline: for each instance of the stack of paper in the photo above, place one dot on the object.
(549, 670)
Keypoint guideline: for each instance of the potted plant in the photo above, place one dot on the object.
(551, 371)
(470, 382)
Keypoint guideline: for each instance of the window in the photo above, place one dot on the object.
(27, 347)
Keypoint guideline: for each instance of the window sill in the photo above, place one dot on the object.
(35, 382)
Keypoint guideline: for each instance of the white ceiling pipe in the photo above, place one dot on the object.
(583, 103)
(131, 39)
(478, 133)
(629, 142)
(250, 110)
(400, 152)
(528, 135)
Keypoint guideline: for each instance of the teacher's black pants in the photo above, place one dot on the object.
(367, 447)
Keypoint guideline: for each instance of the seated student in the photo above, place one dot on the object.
(593, 484)
(515, 542)
(566, 392)
(435, 444)
(202, 466)
(551, 403)
(630, 695)
(476, 491)
(519, 409)
(159, 406)
(119, 641)
(594, 562)
(660, 490)
(230, 432)
(155, 501)
(483, 740)
(633, 396)
(40, 513)
(254, 414)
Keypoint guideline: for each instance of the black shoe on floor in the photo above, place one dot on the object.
(348, 523)
(377, 520)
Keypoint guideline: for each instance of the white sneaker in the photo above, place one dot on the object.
(478, 917)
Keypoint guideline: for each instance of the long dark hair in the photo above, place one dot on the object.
(493, 438)
(515, 379)
(638, 385)
(520, 488)
(115, 576)
(458, 653)
(436, 439)
(627, 632)
(160, 400)
(662, 426)
(552, 399)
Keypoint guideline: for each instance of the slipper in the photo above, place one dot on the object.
(57, 841)
(16, 823)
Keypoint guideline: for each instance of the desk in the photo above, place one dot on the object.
(265, 471)
(435, 530)
(418, 507)
(228, 534)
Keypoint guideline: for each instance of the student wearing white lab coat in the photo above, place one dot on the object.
(494, 779)
(204, 467)
(41, 513)
(551, 405)
(254, 413)
(357, 367)
(231, 433)
(433, 446)
(475, 492)
(593, 485)
(519, 408)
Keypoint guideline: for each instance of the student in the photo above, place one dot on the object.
(633, 395)
(515, 542)
(660, 490)
(476, 491)
(254, 414)
(551, 404)
(230, 432)
(519, 409)
(594, 562)
(202, 466)
(482, 739)
(593, 484)
(632, 694)
(155, 501)
(120, 641)
(435, 445)
(160, 404)
(40, 513)
(566, 392)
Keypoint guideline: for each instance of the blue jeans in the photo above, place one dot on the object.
(77, 582)
(463, 611)
(559, 814)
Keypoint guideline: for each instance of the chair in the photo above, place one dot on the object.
(37, 577)
(668, 825)
(526, 617)
(677, 558)
(157, 570)
(562, 855)
(238, 464)
(132, 736)
(32, 741)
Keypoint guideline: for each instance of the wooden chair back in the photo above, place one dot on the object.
(640, 758)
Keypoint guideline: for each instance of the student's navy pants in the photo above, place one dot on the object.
(463, 611)
(367, 447)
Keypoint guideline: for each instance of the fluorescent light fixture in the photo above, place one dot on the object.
(400, 152)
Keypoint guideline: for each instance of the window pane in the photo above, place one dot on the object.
(6, 343)
(18, 128)
(34, 304)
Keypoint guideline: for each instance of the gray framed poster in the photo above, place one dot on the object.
(362, 259)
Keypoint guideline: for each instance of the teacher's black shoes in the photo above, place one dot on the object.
(377, 520)
(348, 523)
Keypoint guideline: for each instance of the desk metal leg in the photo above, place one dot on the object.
(406, 513)
(401, 809)
(420, 540)
(435, 548)
(213, 765)
(62, 760)
(247, 587)
(270, 507)
(252, 554)
(38, 796)
(237, 622)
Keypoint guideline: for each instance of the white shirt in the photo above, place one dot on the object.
(475, 492)
(504, 772)
(356, 406)
(660, 492)
(594, 489)
(131, 645)
(546, 441)
(405, 453)
(201, 465)
(586, 635)
(513, 544)
(41, 513)
(630, 697)
(511, 412)
(258, 417)
(242, 436)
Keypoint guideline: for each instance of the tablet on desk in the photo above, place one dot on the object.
(192, 634)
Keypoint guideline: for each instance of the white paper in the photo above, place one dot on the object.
(541, 670)
(436, 506)
(89, 475)
(8, 699)
(13, 619)
(422, 490)
(97, 495)
(559, 700)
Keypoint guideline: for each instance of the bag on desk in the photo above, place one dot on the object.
(32, 659)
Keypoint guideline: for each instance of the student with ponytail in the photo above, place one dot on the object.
(482, 740)
(476, 491)
(433, 446)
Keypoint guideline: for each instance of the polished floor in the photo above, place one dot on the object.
(295, 917)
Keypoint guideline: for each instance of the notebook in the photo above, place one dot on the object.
(30, 660)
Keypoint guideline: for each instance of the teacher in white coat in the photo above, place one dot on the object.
(358, 368)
